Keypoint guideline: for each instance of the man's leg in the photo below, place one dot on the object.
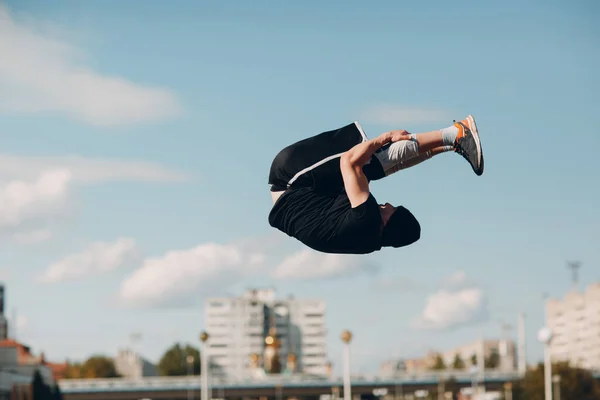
(314, 161)
(462, 137)
(422, 156)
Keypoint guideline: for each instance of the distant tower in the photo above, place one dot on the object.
(3, 320)
(522, 355)
(272, 362)
(574, 267)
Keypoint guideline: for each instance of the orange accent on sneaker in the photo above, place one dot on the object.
(461, 129)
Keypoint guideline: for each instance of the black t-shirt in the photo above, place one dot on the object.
(327, 222)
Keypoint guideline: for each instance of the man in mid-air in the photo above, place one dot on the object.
(320, 185)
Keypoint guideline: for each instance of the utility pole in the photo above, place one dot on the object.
(504, 328)
(574, 267)
(134, 339)
(522, 353)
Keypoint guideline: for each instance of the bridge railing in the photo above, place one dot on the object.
(181, 382)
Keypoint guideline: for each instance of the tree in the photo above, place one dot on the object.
(439, 363)
(97, 366)
(493, 360)
(458, 363)
(575, 383)
(73, 371)
(452, 385)
(40, 390)
(174, 361)
(474, 359)
(57, 394)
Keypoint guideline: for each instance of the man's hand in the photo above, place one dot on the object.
(396, 136)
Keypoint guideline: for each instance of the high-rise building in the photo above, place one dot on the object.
(239, 326)
(575, 325)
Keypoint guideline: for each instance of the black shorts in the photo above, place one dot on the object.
(315, 161)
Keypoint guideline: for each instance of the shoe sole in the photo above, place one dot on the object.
(475, 133)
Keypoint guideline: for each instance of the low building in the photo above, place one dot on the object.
(17, 357)
(131, 365)
(18, 367)
(498, 355)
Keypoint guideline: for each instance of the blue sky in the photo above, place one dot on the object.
(140, 137)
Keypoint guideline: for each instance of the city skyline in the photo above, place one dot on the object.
(136, 143)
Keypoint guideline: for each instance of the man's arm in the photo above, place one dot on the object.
(352, 161)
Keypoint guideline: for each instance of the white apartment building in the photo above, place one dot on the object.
(131, 365)
(238, 327)
(575, 325)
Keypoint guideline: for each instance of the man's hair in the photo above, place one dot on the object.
(401, 229)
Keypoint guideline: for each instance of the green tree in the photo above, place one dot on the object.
(56, 393)
(99, 366)
(575, 383)
(493, 360)
(452, 385)
(174, 361)
(474, 359)
(74, 371)
(438, 363)
(458, 363)
(40, 390)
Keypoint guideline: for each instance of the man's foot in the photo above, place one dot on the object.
(468, 145)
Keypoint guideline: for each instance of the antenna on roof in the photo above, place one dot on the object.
(574, 267)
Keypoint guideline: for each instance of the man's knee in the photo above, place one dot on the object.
(396, 154)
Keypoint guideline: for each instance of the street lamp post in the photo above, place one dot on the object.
(347, 338)
(441, 388)
(556, 381)
(508, 391)
(474, 386)
(190, 363)
(204, 365)
(545, 336)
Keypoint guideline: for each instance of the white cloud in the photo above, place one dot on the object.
(41, 73)
(456, 304)
(458, 280)
(24, 200)
(181, 276)
(36, 190)
(388, 114)
(308, 264)
(86, 170)
(98, 258)
(32, 237)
